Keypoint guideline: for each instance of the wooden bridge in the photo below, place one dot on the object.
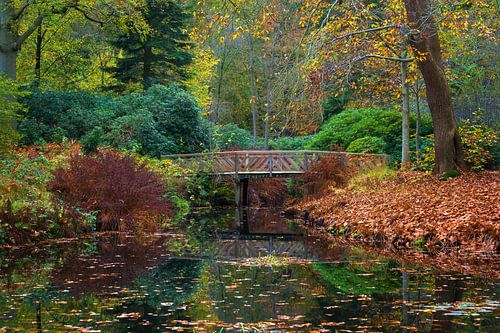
(247, 164)
(267, 163)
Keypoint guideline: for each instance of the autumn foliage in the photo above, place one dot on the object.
(414, 209)
(330, 171)
(124, 194)
(267, 191)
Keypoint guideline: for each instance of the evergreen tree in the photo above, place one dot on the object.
(158, 52)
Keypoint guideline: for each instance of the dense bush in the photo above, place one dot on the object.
(52, 115)
(169, 121)
(162, 120)
(8, 113)
(349, 125)
(92, 140)
(232, 136)
(330, 171)
(138, 132)
(367, 144)
(335, 104)
(479, 143)
(290, 143)
(28, 212)
(124, 194)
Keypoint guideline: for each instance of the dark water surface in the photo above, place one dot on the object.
(223, 276)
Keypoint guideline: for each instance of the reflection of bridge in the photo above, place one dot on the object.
(248, 248)
(267, 163)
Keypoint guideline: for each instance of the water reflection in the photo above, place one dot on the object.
(185, 282)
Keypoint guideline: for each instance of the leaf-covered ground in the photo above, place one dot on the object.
(415, 209)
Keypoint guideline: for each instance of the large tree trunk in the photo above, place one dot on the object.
(425, 42)
(8, 51)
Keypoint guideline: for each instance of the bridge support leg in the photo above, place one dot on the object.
(244, 195)
(237, 192)
(241, 192)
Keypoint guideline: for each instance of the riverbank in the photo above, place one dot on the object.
(413, 210)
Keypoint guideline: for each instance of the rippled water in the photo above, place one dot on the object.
(222, 276)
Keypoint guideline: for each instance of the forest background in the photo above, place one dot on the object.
(155, 77)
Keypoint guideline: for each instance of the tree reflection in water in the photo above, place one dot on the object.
(122, 284)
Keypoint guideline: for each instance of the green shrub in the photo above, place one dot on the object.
(178, 117)
(92, 140)
(232, 136)
(367, 144)
(349, 125)
(495, 151)
(162, 120)
(52, 114)
(8, 113)
(478, 141)
(138, 132)
(335, 104)
(290, 142)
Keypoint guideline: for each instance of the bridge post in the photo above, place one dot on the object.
(241, 192)
(244, 195)
(237, 192)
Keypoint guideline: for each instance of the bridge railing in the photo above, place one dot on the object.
(271, 162)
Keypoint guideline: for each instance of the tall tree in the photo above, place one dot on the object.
(157, 52)
(425, 42)
(20, 19)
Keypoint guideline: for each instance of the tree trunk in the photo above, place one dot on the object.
(38, 56)
(417, 125)
(268, 114)
(8, 53)
(405, 110)
(252, 94)
(146, 74)
(222, 62)
(448, 145)
(269, 91)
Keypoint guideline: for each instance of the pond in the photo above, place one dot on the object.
(222, 275)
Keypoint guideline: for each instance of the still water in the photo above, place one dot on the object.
(218, 275)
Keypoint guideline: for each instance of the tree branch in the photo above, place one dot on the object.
(88, 17)
(359, 32)
(20, 40)
(21, 10)
(383, 57)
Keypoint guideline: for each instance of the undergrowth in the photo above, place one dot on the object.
(126, 195)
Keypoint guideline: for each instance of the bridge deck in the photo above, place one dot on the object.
(273, 163)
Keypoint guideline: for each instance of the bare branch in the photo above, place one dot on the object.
(20, 40)
(359, 32)
(383, 57)
(88, 17)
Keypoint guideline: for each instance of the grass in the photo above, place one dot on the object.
(370, 179)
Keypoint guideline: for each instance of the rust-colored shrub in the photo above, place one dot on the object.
(329, 171)
(125, 195)
(267, 191)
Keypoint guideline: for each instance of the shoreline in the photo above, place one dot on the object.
(481, 264)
